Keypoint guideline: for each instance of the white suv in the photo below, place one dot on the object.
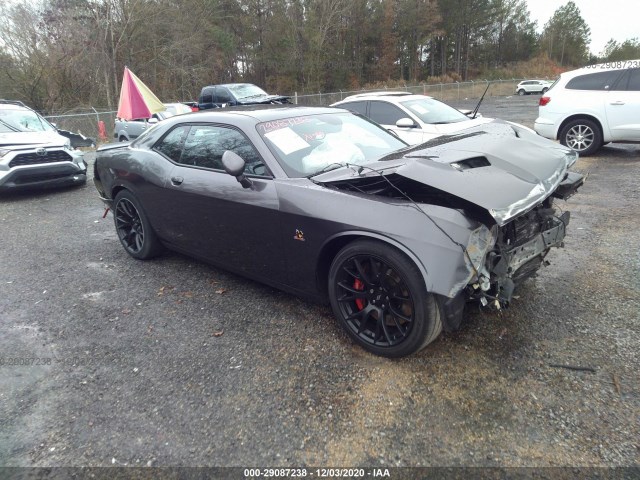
(533, 86)
(33, 154)
(591, 106)
(414, 118)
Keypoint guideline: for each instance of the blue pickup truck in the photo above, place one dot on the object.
(231, 94)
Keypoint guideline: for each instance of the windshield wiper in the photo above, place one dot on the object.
(256, 95)
(328, 168)
(9, 126)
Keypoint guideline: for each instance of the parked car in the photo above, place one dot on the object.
(127, 130)
(178, 108)
(591, 106)
(328, 205)
(414, 118)
(533, 86)
(32, 152)
(231, 94)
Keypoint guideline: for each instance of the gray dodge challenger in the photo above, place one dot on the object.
(328, 205)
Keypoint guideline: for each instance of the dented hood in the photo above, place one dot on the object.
(502, 169)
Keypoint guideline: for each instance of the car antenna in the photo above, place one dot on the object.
(475, 110)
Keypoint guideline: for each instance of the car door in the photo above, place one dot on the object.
(207, 213)
(622, 107)
(387, 114)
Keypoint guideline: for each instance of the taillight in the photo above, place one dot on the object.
(544, 100)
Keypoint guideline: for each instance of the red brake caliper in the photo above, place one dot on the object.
(358, 285)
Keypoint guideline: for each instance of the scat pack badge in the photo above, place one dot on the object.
(299, 235)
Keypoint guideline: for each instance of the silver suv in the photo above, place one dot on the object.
(33, 153)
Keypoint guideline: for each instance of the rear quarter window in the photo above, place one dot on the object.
(357, 107)
(594, 81)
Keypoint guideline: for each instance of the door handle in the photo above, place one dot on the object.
(177, 180)
(617, 103)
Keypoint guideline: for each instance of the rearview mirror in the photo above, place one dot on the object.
(406, 123)
(234, 165)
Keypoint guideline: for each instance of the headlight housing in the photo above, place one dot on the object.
(482, 240)
(572, 158)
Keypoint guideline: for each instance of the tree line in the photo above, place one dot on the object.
(61, 54)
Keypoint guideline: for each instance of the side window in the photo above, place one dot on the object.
(634, 80)
(205, 145)
(358, 107)
(171, 144)
(594, 81)
(207, 96)
(385, 113)
(223, 95)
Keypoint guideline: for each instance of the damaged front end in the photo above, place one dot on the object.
(519, 251)
(504, 188)
(521, 247)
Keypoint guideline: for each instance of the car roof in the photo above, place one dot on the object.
(13, 105)
(228, 84)
(392, 97)
(260, 113)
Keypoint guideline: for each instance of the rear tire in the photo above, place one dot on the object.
(544, 90)
(581, 135)
(379, 296)
(133, 228)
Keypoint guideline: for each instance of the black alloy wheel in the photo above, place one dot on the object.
(133, 228)
(380, 298)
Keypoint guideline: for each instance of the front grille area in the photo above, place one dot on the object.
(24, 179)
(52, 156)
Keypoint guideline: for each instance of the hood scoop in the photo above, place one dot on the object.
(469, 163)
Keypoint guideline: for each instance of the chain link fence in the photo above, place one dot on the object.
(447, 92)
(87, 121)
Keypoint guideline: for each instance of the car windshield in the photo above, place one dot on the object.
(310, 144)
(23, 121)
(432, 111)
(246, 90)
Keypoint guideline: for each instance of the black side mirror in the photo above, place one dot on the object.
(234, 165)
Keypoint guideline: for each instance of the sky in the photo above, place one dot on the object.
(617, 19)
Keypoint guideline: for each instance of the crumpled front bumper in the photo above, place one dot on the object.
(509, 267)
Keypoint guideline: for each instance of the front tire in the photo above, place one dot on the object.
(380, 298)
(581, 135)
(133, 228)
(521, 92)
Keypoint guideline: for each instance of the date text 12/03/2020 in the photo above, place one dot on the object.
(316, 472)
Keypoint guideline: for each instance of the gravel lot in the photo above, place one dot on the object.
(175, 363)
